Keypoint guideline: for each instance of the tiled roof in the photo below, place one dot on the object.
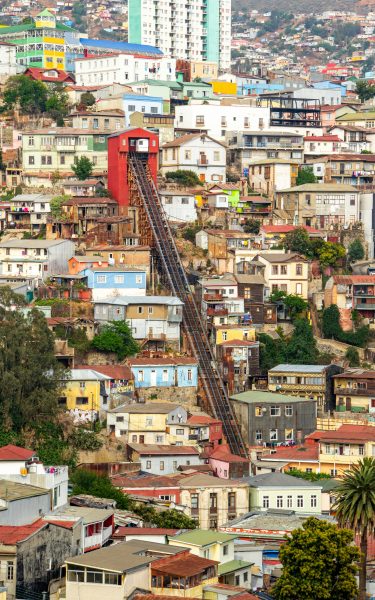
(11, 535)
(356, 374)
(145, 481)
(11, 452)
(348, 279)
(43, 75)
(322, 138)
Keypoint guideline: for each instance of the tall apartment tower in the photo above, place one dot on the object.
(187, 29)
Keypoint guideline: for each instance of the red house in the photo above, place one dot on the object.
(49, 75)
(120, 144)
(206, 429)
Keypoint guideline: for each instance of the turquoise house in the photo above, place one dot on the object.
(164, 372)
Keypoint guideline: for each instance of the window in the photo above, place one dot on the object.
(231, 500)
(189, 375)
(119, 279)
(361, 450)
(275, 269)
(148, 421)
(216, 156)
(289, 434)
(194, 498)
(275, 411)
(185, 201)
(112, 578)
(299, 289)
(30, 141)
(258, 435)
(187, 154)
(308, 199)
(140, 310)
(148, 464)
(82, 400)
(140, 375)
(162, 465)
(299, 269)
(165, 375)
(10, 570)
(289, 501)
(179, 432)
(279, 501)
(47, 160)
(225, 550)
(159, 439)
(101, 278)
(119, 419)
(31, 160)
(266, 502)
(313, 501)
(131, 107)
(199, 120)
(258, 411)
(289, 411)
(245, 576)
(352, 200)
(299, 501)
(224, 336)
(237, 580)
(213, 502)
(284, 270)
(333, 472)
(273, 435)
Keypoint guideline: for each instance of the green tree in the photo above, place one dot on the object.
(355, 508)
(57, 105)
(365, 90)
(116, 337)
(332, 329)
(356, 251)
(184, 177)
(56, 206)
(82, 167)
(308, 476)
(26, 94)
(252, 226)
(305, 175)
(318, 563)
(301, 348)
(272, 352)
(298, 241)
(29, 372)
(87, 99)
(330, 253)
(353, 357)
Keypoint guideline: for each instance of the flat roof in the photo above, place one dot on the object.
(89, 515)
(11, 490)
(149, 408)
(202, 537)
(253, 396)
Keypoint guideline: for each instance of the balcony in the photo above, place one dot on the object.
(217, 312)
(364, 306)
(202, 162)
(156, 336)
(348, 391)
(213, 297)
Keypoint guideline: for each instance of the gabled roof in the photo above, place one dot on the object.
(11, 452)
(279, 257)
(149, 408)
(46, 75)
(189, 137)
(11, 535)
(346, 434)
(302, 453)
(186, 565)
(224, 454)
(112, 371)
(202, 537)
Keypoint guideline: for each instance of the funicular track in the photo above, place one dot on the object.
(194, 328)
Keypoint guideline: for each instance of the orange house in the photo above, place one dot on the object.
(76, 264)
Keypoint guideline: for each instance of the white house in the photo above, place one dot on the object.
(23, 466)
(8, 64)
(35, 258)
(330, 96)
(29, 211)
(196, 152)
(124, 68)
(179, 207)
(217, 119)
(282, 491)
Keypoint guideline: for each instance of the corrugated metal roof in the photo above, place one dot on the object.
(126, 300)
(121, 46)
(298, 368)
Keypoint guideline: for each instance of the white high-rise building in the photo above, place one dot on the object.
(186, 29)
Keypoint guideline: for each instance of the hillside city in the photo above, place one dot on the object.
(187, 300)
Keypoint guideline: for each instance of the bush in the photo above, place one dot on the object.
(332, 329)
(184, 177)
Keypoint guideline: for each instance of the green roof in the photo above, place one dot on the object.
(358, 116)
(202, 537)
(174, 85)
(232, 565)
(30, 27)
(253, 396)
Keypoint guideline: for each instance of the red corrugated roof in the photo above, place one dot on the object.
(112, 371)
(10, 535)
(201, 420)
(11, 452)
(322, 138)
(345, 279)
(183, 566)
(294, 453)
(286, 228)
(65, 524)
(346, 433)
(223, 453)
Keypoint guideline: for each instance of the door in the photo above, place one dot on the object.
(141, 439)
(153, 378)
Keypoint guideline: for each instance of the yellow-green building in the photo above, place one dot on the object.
(42, 43)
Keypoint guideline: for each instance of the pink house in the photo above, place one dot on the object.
(227, 465)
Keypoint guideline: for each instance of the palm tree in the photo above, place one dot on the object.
(355, 508)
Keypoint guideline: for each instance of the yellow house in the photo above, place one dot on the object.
(86, 390)
(355, 391)
(226, 88)
(228, 333)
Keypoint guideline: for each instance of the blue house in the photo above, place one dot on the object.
(164, 372)
(145, 104)
(106, 282)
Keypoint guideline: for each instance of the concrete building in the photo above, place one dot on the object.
(29, 211)
(22, 504)
(38, 259)
(8, 61)
(124, 68)
(287, 272)
(206, 23)
(196, 152)
(109, 282)
(320, 204)
(179, 207)
(160, 459)
(268, 418)
(218, 119)
(271, 175)
(281, 491)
